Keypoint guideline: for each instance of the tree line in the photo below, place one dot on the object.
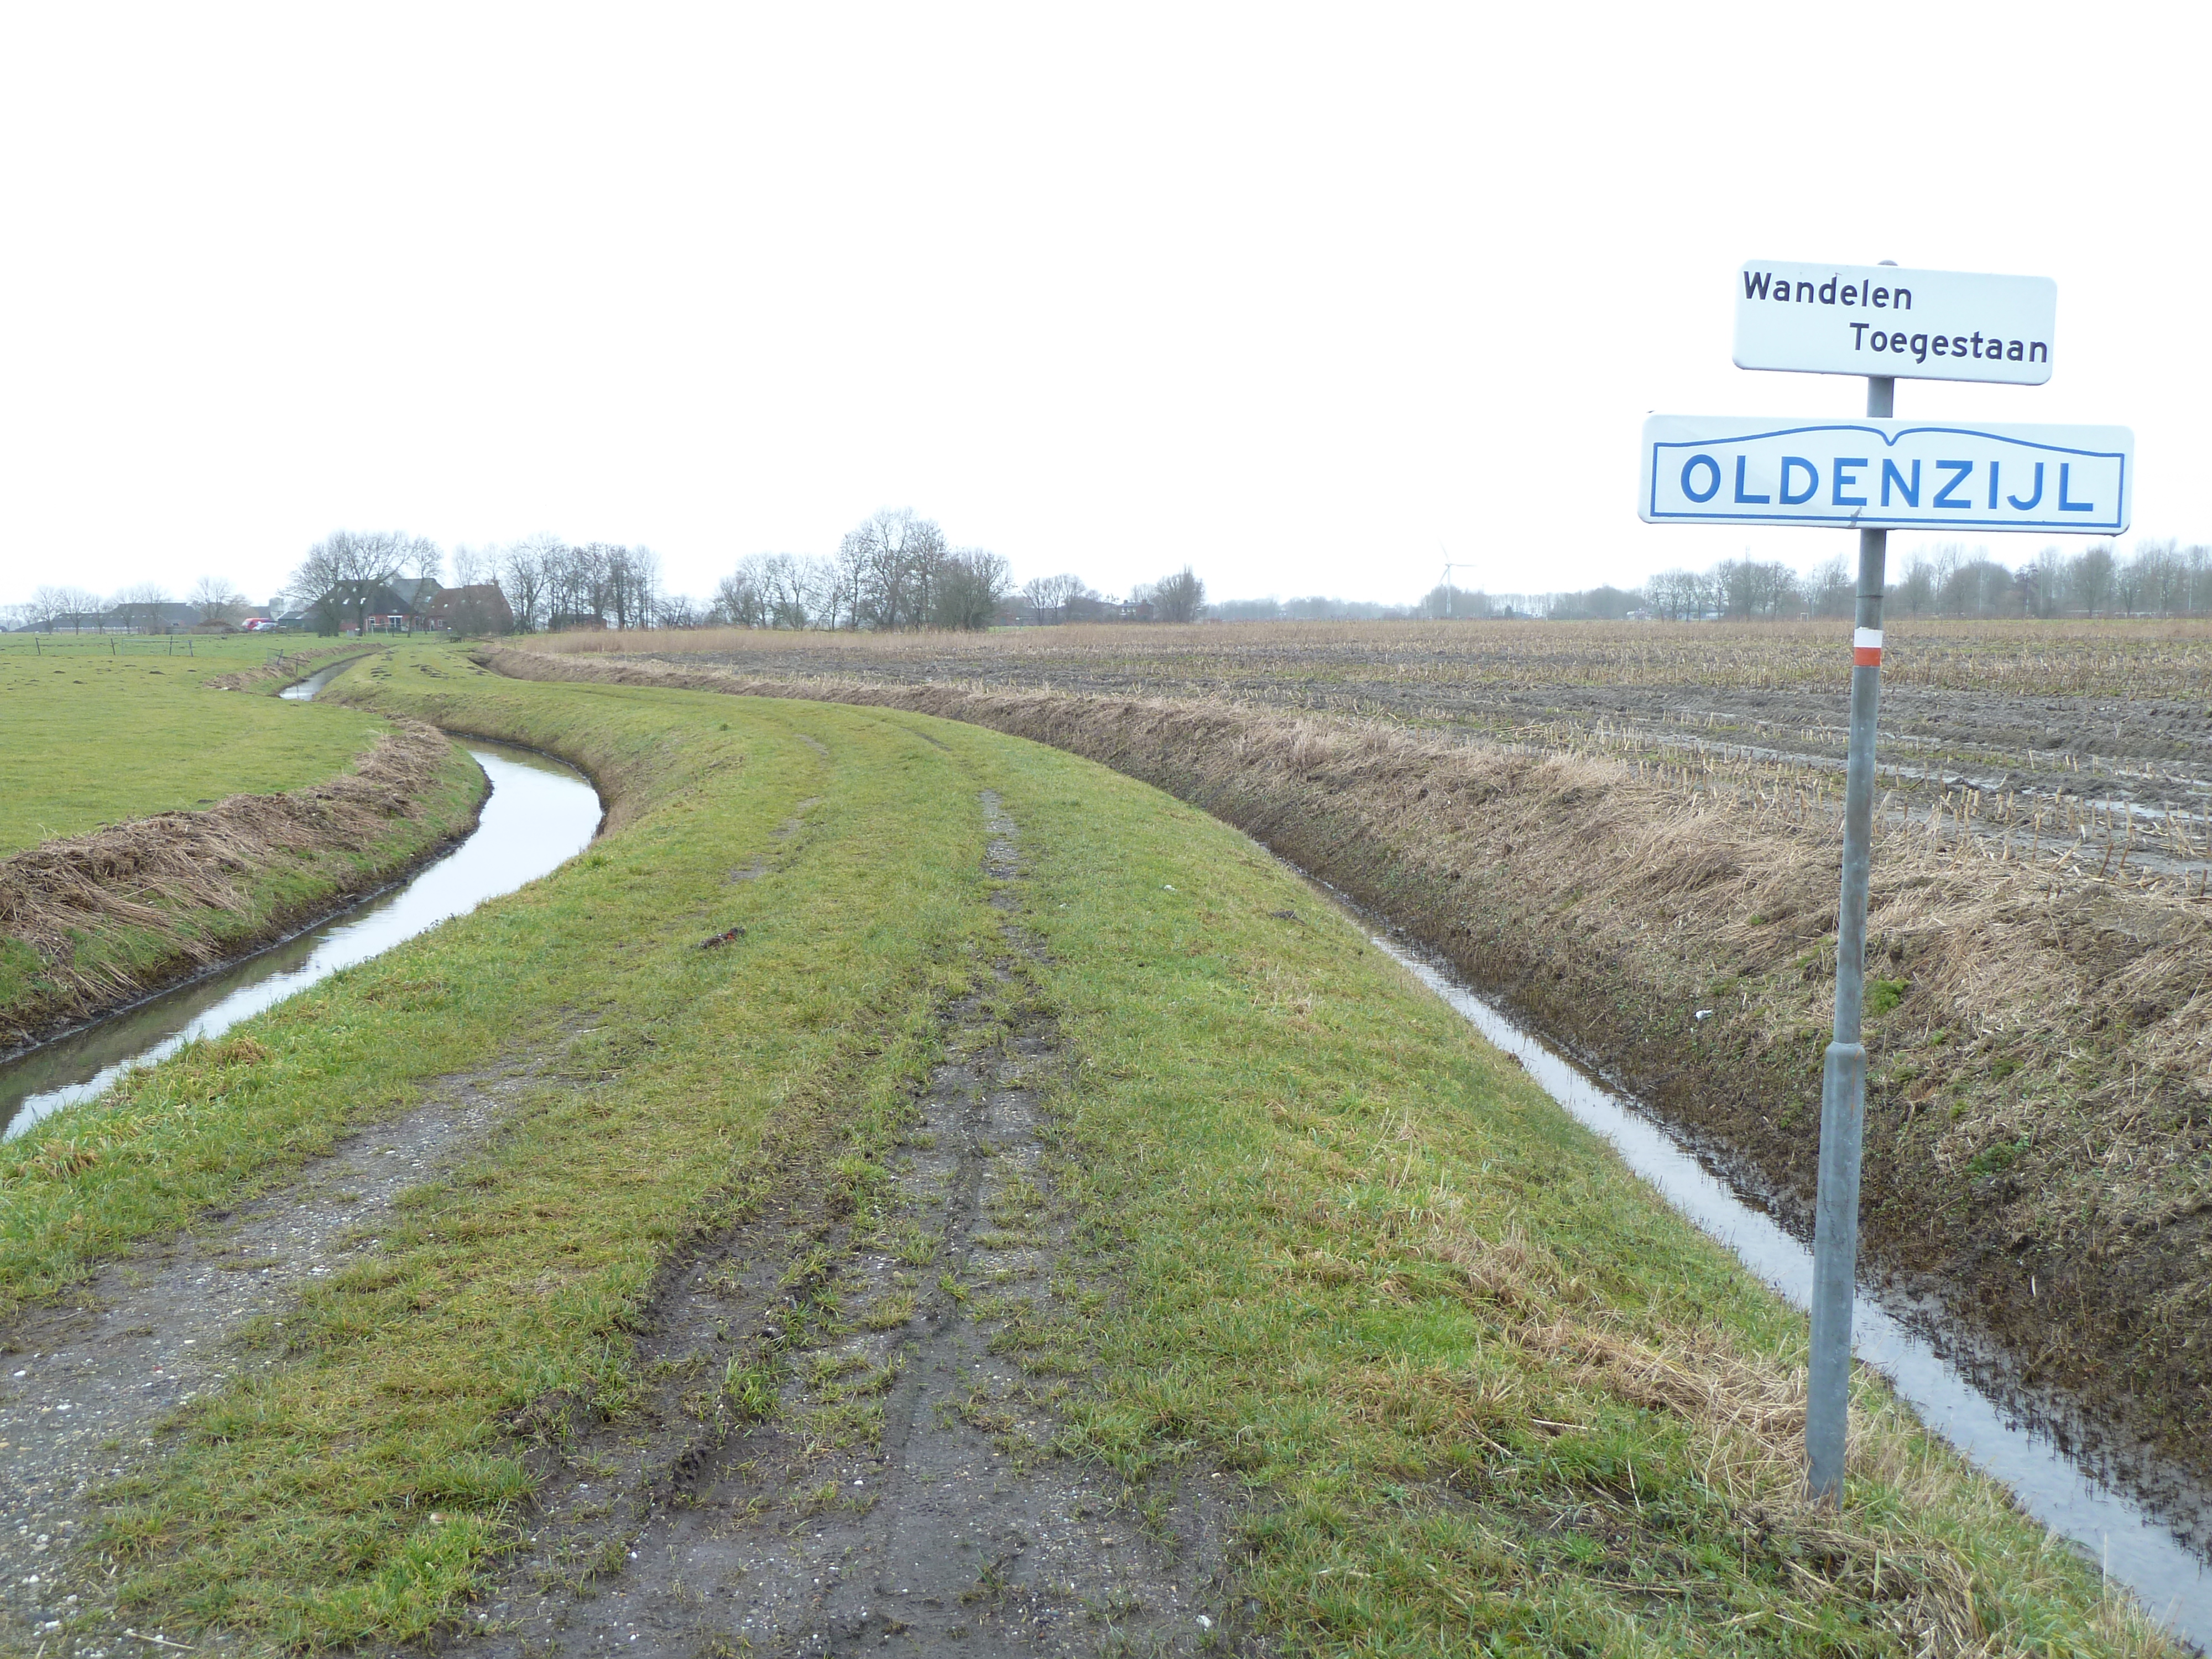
(895, 571)
(2155, 579)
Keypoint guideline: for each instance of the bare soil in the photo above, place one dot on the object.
(89, 1387)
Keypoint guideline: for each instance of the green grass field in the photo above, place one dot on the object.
(97, 733)
(1479, 1390)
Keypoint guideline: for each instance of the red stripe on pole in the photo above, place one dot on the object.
(1866, 656)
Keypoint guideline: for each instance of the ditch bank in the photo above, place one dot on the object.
(2039, 1118)
(92, 923)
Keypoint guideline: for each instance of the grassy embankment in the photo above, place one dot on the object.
(1482, 1385)
(2040, 1126)
(102, 732)
(150, 825)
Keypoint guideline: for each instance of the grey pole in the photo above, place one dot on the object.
(1843, 1083)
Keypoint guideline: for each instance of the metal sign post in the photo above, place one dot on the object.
(1843, 1078)
(1877, 475)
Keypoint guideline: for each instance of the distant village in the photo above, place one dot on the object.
(406, 605)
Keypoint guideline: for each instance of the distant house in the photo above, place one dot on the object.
(479, 608)
(394, 607)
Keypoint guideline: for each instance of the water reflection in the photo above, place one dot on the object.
(2171, 1580)
(539, 815)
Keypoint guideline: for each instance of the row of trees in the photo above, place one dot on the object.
(143, 607)
(892, 571)
(895, 571)
(2157, 579)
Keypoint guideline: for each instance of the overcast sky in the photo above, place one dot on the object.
(1297, 295)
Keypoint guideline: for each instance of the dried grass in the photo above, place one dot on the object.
(167, 876)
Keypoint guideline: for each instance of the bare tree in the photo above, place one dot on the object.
(140, 606)
(214, 598)
(1833, 589)
(474, 566)
(1180, 598)
(341, 574)
(50, 605)
(890, 566)
(969, 586)
(526, 571)
(1049, 598)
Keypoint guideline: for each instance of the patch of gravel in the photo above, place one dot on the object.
(853, 1446)
(86, 1385)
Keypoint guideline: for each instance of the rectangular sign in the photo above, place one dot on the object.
(1878, 319)
(1896, 475)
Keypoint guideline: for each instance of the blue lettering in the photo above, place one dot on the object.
(2065, 505)
(2034, 500)
(1836, 495)
(1959, 472)
(1812, 480)
(1755, 286)
(1911, 491)
(1740, 461)
(1692, 465)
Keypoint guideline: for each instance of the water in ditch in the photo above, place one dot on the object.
(305, 690)
(2137, 1548)
(539, 814)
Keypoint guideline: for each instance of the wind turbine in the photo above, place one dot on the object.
(1449, 567)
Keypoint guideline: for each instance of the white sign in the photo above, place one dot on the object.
(1878, 319)
(1897, 475)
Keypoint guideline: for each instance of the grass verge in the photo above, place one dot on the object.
(99, 920)
(1484, 1392)
(102, 732)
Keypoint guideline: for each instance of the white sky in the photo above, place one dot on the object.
(1294, 295)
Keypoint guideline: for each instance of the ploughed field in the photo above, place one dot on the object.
(2083, 738)
(909, 1188)
(1630, 833)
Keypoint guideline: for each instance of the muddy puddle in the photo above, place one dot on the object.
(2160, 1557)
(539, 814)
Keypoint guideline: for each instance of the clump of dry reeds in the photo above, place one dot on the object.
(2042, 1093)
(117, 912)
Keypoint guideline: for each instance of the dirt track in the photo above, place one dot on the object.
(164, 1326)
(845, 1436)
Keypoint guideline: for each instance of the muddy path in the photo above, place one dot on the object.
(88, 1387)
(849, 1442)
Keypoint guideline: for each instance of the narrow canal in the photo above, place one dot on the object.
(540, 814)
(2160, 1557)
